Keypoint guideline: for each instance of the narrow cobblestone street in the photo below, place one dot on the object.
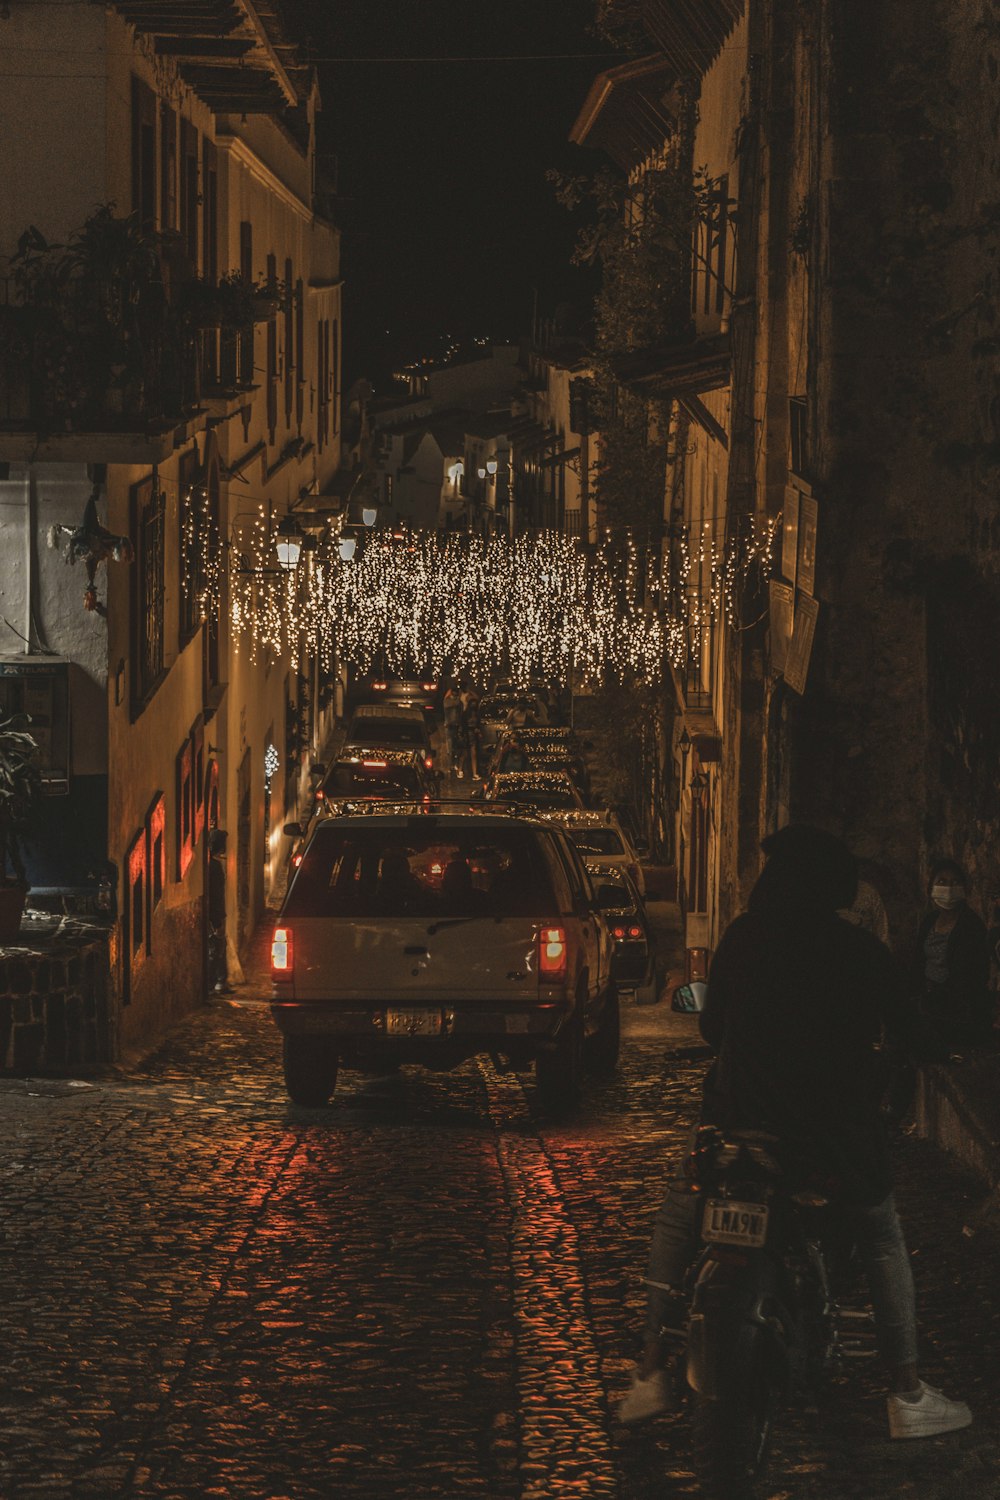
(422, 1290)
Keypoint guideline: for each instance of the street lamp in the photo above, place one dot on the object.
(288, 542)
(346, 548)
(369, 515)
(491, 466)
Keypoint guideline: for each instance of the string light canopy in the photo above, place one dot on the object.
(536, 604)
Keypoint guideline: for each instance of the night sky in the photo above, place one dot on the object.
(449, 222)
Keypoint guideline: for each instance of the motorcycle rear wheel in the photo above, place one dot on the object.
(731, 1436)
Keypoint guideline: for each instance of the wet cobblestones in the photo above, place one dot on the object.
(425, 1290)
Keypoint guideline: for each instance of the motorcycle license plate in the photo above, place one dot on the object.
(727, 1222)
(413, 1022)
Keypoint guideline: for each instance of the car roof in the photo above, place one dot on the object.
(434, 813)
(539, 778)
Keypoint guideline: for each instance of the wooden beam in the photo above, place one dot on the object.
(699, 412)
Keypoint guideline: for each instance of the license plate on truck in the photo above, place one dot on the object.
(727, 1222)
(409, 1022)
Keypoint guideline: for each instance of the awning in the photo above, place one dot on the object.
(678, 369)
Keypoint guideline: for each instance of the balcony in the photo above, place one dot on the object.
(110, 352)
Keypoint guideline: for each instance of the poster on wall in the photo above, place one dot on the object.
(800, 648)
(781, 617)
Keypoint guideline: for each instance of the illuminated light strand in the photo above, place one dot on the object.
(534, 605)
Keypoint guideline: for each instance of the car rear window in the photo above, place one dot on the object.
(393, 872)
(597, 840)
(611, 895)
(372, 731)
(397, 783)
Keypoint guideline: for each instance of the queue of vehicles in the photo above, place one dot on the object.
(416, 929)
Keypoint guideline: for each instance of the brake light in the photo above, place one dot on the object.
(281, 953)
(618, 933)
(375, 765)
(296, 860)
(552, 954)
(379, 687)
(320, 794)
(429, 761)
(635, 932)
(428, 687)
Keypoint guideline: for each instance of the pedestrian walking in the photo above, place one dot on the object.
(452, 707)
(472, 732)
(796, 1000)
(218, 968)
(952, 961)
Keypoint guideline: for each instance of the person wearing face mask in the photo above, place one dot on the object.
(954, 962)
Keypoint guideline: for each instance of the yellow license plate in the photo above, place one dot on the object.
(413, 1022)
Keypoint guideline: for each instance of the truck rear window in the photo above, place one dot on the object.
(393, 872)
(371, 731)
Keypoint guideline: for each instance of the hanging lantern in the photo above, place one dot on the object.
(288, 543)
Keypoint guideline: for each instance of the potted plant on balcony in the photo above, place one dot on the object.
(20, 780)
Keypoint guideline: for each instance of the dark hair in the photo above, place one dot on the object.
(807, 867)
(952, 866)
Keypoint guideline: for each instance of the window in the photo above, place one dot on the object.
(334, 370)
(198, 780)
(246, 335)
(134, 909)
(300, 345)
(144, 153)
(322, 384)
(209, 212)
(189, 191)
(272, 356)
(289, 343)
(156, 856)
(191, 516)
(185, 809)
(148, 506)
(797, 436)
(168, 168)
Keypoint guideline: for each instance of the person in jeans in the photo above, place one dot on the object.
(797, 1000)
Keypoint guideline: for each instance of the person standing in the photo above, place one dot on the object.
(473, 732)
(953, 961)
(452, 724)
(218, 969)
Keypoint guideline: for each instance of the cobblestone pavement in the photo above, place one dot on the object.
(423, 1290)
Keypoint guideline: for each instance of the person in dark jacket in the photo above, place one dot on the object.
(953, 962)
(797, 1000)
(218, 968)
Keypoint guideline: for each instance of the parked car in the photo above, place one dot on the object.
(495, 711)
(547, 749)
(391, 724)
(600, 837)
(423, 933)
(634, 964)
(544, 789)
(362, 774)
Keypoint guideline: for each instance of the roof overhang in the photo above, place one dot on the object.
(691, 33)
(678, 369)
(627, 112)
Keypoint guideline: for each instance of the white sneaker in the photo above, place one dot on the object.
(646, 1398)
(933, 1413)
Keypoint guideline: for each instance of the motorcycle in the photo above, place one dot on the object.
(767, 1317)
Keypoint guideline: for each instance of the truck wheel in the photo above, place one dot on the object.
(310, 1068)
(559, 1074)
(604, 1046)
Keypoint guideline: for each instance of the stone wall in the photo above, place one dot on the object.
(55, 1010)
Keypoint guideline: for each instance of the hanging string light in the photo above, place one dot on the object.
(534, 604)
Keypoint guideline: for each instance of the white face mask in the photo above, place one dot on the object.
(947, 896)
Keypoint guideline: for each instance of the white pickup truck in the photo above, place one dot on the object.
(427, 933)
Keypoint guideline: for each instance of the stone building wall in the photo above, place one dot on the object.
(56, 1011)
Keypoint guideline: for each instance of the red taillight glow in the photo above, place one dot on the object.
(552, 954)
(635, 932)
(429, 761)
(618, 933)
(320, 794)
(296, 860)
(281, 953)
(428, 687)
(379, 687)
(375, 765)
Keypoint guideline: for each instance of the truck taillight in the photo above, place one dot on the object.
(635, 932)
(552, 954)
(320, 794)
(429, 762)
(281, 953)
(618, 933)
